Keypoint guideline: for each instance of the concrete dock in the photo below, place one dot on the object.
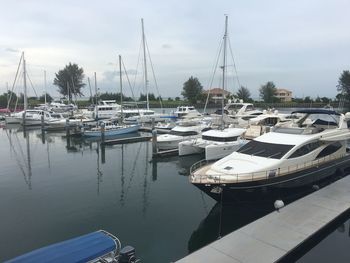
(276, 235)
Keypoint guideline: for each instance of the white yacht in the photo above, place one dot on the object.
(293, 155)
(106, 110)
(179, 133)
(216, 144)
(241, 110)
(187, 112)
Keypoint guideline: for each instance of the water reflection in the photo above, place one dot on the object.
(23, 160)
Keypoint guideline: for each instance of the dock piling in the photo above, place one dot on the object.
(67, 128)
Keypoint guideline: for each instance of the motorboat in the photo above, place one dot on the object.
(106, 109)
(182, 131)
(187, 112)
(293, 155)
(96, 247)
(108, 128)
(215, 144)
(265, 122)
(60, 122)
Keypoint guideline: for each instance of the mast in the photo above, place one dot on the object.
(223, 74)
(45, 85)
(121, 86)
(25, 103)
(95, 88)
(145, 62)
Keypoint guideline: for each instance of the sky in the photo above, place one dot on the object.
(300, 45)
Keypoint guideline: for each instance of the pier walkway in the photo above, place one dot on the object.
(276, 235)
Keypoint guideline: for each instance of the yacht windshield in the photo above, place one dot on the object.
(264, 149)
(220, 139)
(183, 133)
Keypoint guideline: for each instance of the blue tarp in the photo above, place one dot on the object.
(80, 249)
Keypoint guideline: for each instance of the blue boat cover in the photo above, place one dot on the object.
(317, 111)
(79, 249)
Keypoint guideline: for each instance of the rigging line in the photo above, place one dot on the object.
(234, 63)
(14, 82)
(31, 84)
(127, 77)
(137, 66)
(154, 76)
(214, 72)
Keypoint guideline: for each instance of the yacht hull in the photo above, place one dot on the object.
(252, 190)
(113, 132)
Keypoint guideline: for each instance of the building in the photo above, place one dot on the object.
(284, 95)
(217, 94)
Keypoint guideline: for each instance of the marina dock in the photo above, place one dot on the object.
(279, 234)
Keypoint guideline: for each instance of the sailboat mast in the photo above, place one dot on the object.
(121, 86)
(145, 62)
(45, 85)
(25, 103)
(223, 74)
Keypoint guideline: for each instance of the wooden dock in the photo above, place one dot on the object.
(278, 235)
(149, 129)
(127, 140)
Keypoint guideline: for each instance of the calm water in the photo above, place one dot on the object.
(52, 189)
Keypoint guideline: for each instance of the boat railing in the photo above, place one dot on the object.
(201, 177)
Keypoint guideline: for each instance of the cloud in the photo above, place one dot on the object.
(11, 50)
(166, 46)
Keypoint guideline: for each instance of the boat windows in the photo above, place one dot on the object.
(220, 139)
(332, 148)
(184, 133)
(264, 149)
(306, 149)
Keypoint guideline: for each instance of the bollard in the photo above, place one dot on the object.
(154, 142)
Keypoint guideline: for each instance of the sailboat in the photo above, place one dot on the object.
(216, 143)
(111, 129)
(145, 115)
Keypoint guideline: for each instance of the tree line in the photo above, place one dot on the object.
(69, 82)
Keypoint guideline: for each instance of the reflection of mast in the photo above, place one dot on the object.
(27, 163)
(145, 184)
(122, 192)
(99, 172)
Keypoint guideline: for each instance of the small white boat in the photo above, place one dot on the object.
(214, 143)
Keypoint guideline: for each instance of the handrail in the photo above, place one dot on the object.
(262, 175)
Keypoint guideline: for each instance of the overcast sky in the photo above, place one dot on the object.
(301, 45)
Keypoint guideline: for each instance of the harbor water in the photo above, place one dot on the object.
(53, 188)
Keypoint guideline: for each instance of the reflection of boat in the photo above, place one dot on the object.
(99, 246)
(299, 154)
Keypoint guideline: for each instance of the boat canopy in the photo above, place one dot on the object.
(317, 111)
(80, 249)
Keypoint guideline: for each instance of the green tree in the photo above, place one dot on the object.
(48, 98)
(344, 83)
(307, 99)
(267, 92)
(177, 98)
(70, 80)
(192, 90)
(243, 93)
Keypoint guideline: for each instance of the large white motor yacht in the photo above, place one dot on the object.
(293, 155)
